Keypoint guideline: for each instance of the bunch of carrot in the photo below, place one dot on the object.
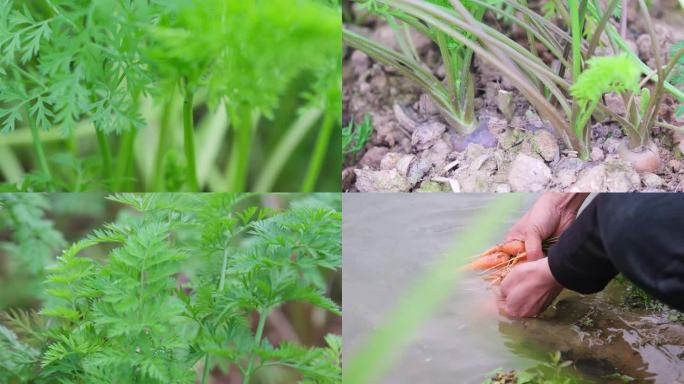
(497, 261)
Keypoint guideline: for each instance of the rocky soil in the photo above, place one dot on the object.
(512, 149)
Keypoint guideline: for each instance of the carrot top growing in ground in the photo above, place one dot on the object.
(458, 29)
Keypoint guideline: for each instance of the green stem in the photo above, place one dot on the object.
(38, 147)
(205, 374)
(223, 269)
(125, 160)
(106, 156)
(240, 152)
(582, 131)
(286, 147)
(576, 39)
(319, 152)
(162, 147)
(257, 340)
(189, 139)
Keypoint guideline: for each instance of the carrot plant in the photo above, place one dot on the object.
(587, 26)
(30, 244)
(454, 97)
(168, 291)
(186, 86)
(356, 136)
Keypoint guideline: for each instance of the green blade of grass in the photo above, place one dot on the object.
(432, 287)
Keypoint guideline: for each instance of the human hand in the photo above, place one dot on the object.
(528, 289)
(550, 216)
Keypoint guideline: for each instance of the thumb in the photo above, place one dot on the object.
(533, 245)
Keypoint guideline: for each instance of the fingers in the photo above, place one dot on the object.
(533, 244)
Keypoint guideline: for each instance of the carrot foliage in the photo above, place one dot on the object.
(172, 286)
(118, 66)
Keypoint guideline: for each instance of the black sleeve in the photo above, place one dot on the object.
(638, 235)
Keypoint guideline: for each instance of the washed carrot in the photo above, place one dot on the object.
(496, 262)
(487, 261)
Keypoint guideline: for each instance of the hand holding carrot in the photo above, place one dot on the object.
(528, 289)
(549, 217)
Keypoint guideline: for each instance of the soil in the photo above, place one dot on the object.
(512, 148)
(604, 337)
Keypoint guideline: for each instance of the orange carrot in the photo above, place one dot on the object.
(487, 261)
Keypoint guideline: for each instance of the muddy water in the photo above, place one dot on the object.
(390, 238)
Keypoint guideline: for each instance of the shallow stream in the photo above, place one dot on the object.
(389, 239)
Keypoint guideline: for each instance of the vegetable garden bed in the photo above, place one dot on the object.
(526, 99)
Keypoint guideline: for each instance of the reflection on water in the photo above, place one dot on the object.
(390, 238)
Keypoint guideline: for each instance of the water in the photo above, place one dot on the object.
(390, 238)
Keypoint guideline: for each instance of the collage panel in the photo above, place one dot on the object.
(191, 191)
(170, 96)
(170, 288)
(469, 288)
(500, 96)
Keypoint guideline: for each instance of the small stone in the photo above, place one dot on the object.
(567, 170)
(438, 153)
(532, 121)
(591, 180)
(381, 181)
(474, 182)
(373, 157)
(474, 151)
(504, 101)
(620, 176)
(403, 118)
(390, 160)
(597, 154)
(546, 145)
(509, 138)
(675, 165)
(404, 164)
(644, 46)
(385, 36)
(496, 126)
(528, 174)
(425, 135)
(517, 122)
(417, 170)
(426, 106)
(615, 103)
(348, 178)
(611, 145)
(379, 81)
(359, 61)
(566, 177)
(651, 180)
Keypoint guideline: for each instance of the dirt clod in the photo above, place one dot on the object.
(426, 135)
(545, 144)
(652, 180)
(381, 181)
(528, 174)
(373, 157)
